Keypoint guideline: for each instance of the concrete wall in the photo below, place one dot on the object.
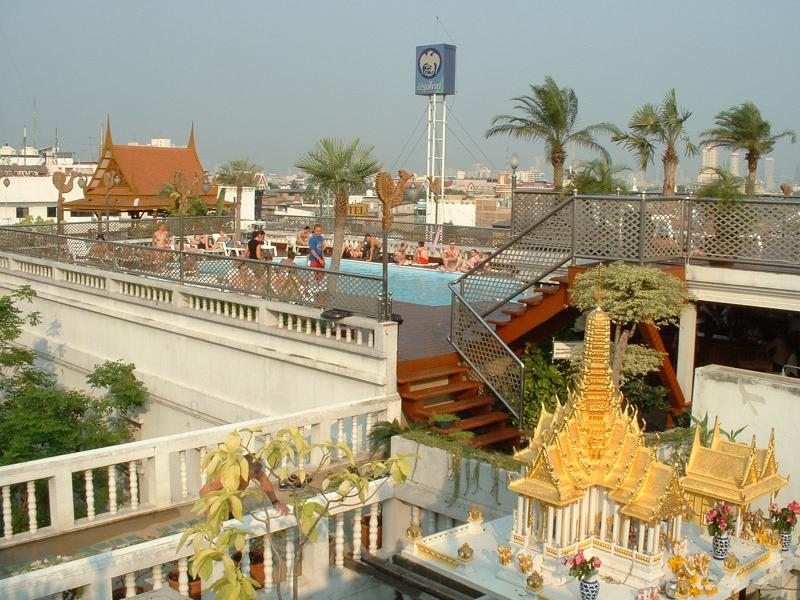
(758, 402)
(203, 363)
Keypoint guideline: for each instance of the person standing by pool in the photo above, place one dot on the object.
(160, 236)
(302, 238)
(316, 249)
(421, 254)
(254, 245)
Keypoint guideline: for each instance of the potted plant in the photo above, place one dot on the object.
(195, 584)
(783, 521)
(719, 520)
(585, 571)
(443, 421)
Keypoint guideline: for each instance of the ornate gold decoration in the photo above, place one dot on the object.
(435, 187)
(475, 513)
(437, 556)
(594, 440)
(534, 582)
(504, 555)
(731, 563)
(465, 552)
(525, 563)
(391, 193)
(414, 531)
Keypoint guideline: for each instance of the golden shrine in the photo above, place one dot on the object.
(730, 471)
(142, 172)
(591, 481)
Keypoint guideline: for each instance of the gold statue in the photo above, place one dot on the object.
(504, 555)
(731, 563)
(535, 582)
(414, 531)
(391, 193)
(475, 513)
(465, 553)
(525, 563)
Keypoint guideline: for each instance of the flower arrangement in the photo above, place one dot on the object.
(784, 519)
(719, 520)
(582, 568)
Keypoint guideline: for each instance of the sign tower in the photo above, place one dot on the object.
(436, 78)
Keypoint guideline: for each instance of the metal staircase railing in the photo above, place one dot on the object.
(534, 253)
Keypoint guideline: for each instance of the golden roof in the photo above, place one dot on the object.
(732, 471)
(594, 440)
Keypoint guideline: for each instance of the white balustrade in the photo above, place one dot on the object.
(289, 555)
(150, 460)
(157, 577)
(356, 533)
(183, 576)
(373, 528)
(268, 576)
(338, 551)
(130, 585)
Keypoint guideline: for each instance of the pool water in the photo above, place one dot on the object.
(407, 284)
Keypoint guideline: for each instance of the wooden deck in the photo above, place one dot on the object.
(424, 330)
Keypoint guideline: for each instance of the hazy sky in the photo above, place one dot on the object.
(267, 79)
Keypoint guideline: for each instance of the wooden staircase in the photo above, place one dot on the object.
(438, 385)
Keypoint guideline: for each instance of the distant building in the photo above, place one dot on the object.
(733, 164)
(709, 163)
(769, 175)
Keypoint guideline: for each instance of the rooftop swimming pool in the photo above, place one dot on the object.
(407, 284)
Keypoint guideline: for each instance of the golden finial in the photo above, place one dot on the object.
(525, 563)
(534, 582)
(414, 532)
(475, 514)
(465, 552)
(504, 555)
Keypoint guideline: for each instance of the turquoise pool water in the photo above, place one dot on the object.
(407, 284)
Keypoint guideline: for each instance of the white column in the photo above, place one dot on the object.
(339, 542)
(157, 576)
(687, 334)
(89, 485)
(373, 528)
(520, 515)
(549, 535)
(268, 576)
(585, 510)
(357, 533)
(430, 522)
(594, 495)
(569, 529)
(604, 517)
(679, 528)
(739, 511)
(640, 538)
(557, 531)
(652, 532)
(32, 524)
(626, 533)
(615, 524)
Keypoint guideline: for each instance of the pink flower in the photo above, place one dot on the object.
(725, 509)
(579, 559)
(773, 506)
(596, 563)
(713, 512)
(723, 525)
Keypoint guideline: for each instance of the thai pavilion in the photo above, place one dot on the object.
(591, 482)
(726, 470)
(142, 171)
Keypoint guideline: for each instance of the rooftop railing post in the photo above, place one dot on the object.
(642, 226)
(688, 218)
(181, 258)
(574, 225)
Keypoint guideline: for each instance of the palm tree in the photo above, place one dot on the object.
(240, 173)
(599, 177)
(726, 187)
(743, 128)
(550, 114)
(338, 168)
(665, 125)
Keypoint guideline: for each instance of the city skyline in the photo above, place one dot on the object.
(256, 87)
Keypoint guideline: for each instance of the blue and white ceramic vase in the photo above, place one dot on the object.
(589, 588)
(720, 546)
(786, 540)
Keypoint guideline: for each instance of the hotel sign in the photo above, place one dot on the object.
(435, 70)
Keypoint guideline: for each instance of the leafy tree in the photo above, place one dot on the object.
(743, 128)
(31, 220)
(240, 173)
(550, 114)
(341, 485)
(338, 169)
(630, 295)
(599, 177)
(664, 125)
(195, 206)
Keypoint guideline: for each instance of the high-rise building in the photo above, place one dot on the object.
(709, 163)
(733, 163)
(769, 175)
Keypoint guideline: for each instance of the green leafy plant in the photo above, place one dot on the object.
(343, 484)
(644, 395)
(443, 420)
(544, 385)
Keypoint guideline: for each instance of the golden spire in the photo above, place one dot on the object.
(596, 401)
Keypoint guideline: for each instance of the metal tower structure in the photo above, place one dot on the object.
(437, 149)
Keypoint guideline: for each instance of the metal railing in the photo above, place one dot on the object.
(358, 294)
(133, 229)
(537, 251)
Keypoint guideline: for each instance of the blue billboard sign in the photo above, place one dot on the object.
(435, 69)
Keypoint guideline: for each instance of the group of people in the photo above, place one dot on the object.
(200, 242)
(453, 260)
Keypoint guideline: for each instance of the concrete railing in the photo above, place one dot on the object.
(146, 565)
(153, 475)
